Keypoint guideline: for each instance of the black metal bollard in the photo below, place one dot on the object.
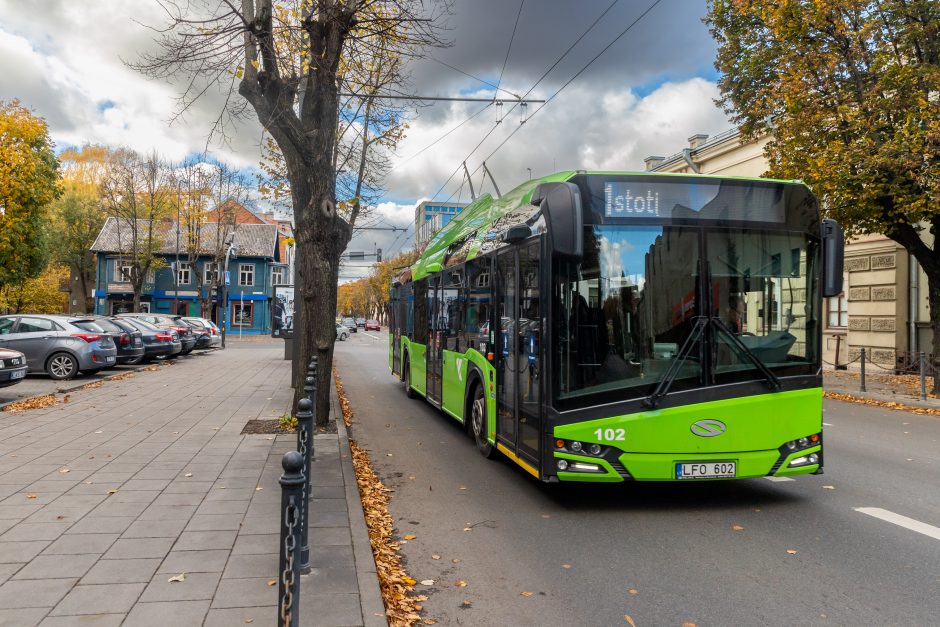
(923, 376)
(305, 446)
(862, 358)
(292, 482)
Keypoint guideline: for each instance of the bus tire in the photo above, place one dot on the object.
(406, 378)
(478, 422)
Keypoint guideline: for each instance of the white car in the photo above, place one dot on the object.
(215, 334)
(341, 332)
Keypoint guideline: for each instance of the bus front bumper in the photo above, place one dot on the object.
(663, 466)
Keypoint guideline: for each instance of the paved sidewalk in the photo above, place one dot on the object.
(106, 497)
(880, 386)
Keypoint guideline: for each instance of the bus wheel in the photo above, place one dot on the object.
(406, 377)
(478, 422)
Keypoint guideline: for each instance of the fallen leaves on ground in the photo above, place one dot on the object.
(343, 401)
(31, 496)
(410, 536)
(526, 594)
(737, 528)
(466, 603)
(188, 474)
(925, 411)
(400, 606)
(38, 402)
(566, 566)
(91, 386)
(828, 487)
(461, 584)
(272, 582)
(689, 625)
(633, 591)
(435, 557)
(112, 491)
(426, 582)
(65, 470)
(792, 551)
(180, 577)
(122, 377)
(629, 620)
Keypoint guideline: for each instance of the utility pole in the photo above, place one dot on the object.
(229, 253)
(176, 269)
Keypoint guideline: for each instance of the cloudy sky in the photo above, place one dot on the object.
(645, 95)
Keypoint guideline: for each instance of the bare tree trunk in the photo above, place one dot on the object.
(933, 302)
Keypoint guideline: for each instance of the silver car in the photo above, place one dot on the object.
(54, 345)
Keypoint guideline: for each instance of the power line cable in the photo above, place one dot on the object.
(476, 78)
(509, 49)
(439, 139)
(541, 78)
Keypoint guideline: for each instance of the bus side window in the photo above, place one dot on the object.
(421, 311)
(453, 303)
(477, 286)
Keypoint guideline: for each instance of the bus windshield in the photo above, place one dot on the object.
(634, 305)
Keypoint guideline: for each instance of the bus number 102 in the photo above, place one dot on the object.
(610, 435)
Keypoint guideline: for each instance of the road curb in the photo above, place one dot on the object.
(72, 387)
(370, 594)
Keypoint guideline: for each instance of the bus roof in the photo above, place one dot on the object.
(473, 231)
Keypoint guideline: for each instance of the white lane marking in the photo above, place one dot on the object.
(901, 521)
(779, 479)
(826, 424)
(374, 337)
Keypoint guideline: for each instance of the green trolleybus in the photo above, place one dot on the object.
(600, 326)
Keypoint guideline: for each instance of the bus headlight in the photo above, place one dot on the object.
(575, 447)
(595, 449)
(562, 464)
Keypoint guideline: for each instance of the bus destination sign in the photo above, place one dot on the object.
(722, 200)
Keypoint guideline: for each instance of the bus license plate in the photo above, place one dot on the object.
(705, 470)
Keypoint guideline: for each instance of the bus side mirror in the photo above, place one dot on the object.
(833, 252)
(516, 233)
(561, 206)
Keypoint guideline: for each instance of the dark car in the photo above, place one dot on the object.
(361, 322)
(157, 342)
(130, 348)
(54, 345)
(175, 323)
(202, 333)
(350, 323)
(12, 367)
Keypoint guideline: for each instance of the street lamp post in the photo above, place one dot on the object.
(176, 270)
(229, 253)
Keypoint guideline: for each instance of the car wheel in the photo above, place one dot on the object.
(61, 366)
(478, 422)
(133, 361)
(342, 337)
(406, 378)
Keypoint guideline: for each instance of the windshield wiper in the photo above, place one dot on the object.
(773, 382)
(665, 383)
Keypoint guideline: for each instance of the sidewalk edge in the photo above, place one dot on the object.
(370, 594)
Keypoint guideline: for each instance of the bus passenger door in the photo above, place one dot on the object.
(394, 329)
(435, 340)
(506, 349)
(528, 354)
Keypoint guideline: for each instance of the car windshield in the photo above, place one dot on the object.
(632, 308)
(89, 325)
(108, 326)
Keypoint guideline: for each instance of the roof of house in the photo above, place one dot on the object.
(251, 240)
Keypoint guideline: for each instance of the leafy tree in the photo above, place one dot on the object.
(29, 178)
(138, 195)
(77, 216)
(41, 294)
(850, 92)
(288, 61)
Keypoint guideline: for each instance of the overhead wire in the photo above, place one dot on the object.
(509, 48)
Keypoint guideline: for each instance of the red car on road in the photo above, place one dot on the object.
(373, 325)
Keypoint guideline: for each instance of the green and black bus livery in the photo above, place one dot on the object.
(604, 326)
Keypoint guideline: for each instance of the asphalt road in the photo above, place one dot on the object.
(662, 554)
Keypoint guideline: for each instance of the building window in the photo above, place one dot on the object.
(277, 275)
(122, 274)
(210, 273)
(242, 314)
(184, 276)
(837, 308)
(246, 274)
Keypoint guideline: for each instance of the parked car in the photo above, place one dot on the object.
(174, 323)
(360, 322)
(54, 345)
(130, 348)
(200, 332)
(157, 342)
(213, 336)
(373, 325)
(341, 332)
(12, 367)
(350, 323)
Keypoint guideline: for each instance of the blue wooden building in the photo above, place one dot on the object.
(183, 285)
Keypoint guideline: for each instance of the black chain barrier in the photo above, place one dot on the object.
(292, 482)
(305, 446)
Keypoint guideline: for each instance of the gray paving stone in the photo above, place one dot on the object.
(34, 592)
(256, 525)
(328, 505)
(258, 565)
(182, 498)
(176, 613)
(215, 522)
(222, 507)
(195, 587)
(7, 571)
(94, 620)
(57, 566)
(35, 531)
(331, 555)
(117, 508)
(99, 599)
(245, 593)
(208, 561)
(71, 544)
(155, 529)
(265, 615)
(329, 535)
(168, 512)
(127, 548)
(134, 496)
(328, 519)
(18, 511)
(52, 513)
(22, 617)
(330, 610)
(253, 544)
(134, 570)
(104, 524)
(188, 487)
(201, 540)
(21, 551)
